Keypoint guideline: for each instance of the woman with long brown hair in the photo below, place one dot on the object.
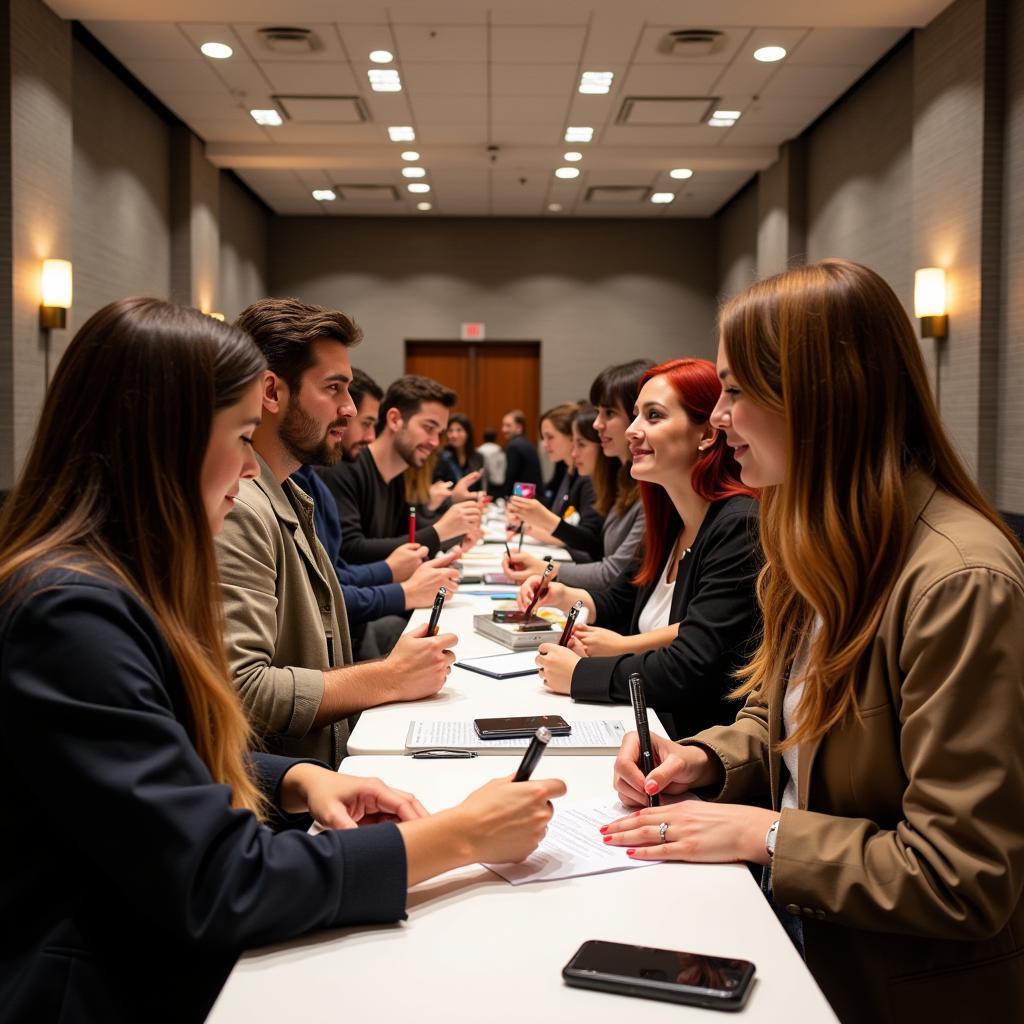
(884, 716)
(143, 866)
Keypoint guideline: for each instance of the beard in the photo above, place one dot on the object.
(407, 450)
(302, 437)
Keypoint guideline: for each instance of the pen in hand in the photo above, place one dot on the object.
(435, 611)
(412, 524)
(643, 730)
(542, 589)
(570, 624)
(533, 754)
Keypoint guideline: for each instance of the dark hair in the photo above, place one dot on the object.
(408, 393)
(519, 416)
(560, 416)
(715, 475)
(606, 469)
(490, 434)
(362, 385)
(285, 329)
(120, 493)
(467, 426)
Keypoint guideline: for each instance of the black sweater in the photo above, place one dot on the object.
(714, 603)
(585, 540)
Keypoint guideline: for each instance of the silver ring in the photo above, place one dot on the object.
(663, 831)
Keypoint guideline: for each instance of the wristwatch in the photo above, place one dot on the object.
(770, 837)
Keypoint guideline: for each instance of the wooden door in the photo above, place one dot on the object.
(490, 378)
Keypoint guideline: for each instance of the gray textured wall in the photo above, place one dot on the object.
(121, 173)
(593, 292)
(243, 248)
(737, 242)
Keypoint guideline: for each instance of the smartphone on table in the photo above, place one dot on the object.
(515, 728)
(713, 982)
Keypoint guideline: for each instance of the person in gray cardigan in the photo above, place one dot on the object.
(614, 393)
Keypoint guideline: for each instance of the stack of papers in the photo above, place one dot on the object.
(593, 736)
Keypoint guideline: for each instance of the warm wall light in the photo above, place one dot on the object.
(930, 301)
(216, 316)
(56, 294)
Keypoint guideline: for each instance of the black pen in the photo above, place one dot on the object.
(508, 552)
(435, 612)
(533, 754)
(520, 531)
(540, 592)
(643, 730)
(570, 624)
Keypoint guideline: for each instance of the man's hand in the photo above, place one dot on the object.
(461, 491)
(555, 666)
(421, 587)
(419, 664)
(405, 560)
(463, 517)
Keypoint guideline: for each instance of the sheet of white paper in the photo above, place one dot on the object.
(573, 845)
(601, 734)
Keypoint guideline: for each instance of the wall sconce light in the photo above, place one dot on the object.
(216, 316)
(56, 294)
(930, 301)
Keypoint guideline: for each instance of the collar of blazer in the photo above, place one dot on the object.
(285, 511)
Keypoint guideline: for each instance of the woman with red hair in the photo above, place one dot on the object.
(685, 617)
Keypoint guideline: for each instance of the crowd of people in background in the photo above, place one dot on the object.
(226, 549)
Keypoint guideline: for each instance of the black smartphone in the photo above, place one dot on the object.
(520, 618)
(713, 982)
(512, 728)
(471, 579)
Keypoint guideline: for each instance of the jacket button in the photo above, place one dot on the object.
(808, 912)
(820, 915)
(792, 908)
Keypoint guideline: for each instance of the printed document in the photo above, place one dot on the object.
(600, 735)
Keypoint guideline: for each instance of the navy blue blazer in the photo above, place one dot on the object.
(128, 884)
(713, 601)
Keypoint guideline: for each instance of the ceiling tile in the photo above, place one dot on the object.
(221, 107)
(658, 80)
(861, 46)
(746, 77)
(747, 133)
(418, 12)
(442, 43)
(450, 109)
(541, 44)
(245, 80)
(290, 132)
(234, 130)
(696, 135)
(552, 80)
(444, 79)
(526, 134)
(787, 110)
(388, 108)
(143, 40)
(441, 134)
(509, 110)
(320, 78)
(613, 35)
(176, 76)
(797, 80)
(360, 40)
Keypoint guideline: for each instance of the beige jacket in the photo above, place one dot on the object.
(284, 617)
(905, 857)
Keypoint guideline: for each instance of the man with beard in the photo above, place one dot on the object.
(286, 632)
(370, 492)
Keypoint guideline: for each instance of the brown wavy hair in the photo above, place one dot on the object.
(830, 349)
(111, 487)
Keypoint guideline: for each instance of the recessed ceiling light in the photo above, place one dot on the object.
(596, 82)
(555, 207)
(219, 51)
(324, 195)
(769, 54)
(424, 206)
(267, 117)
(721, 122)
(680, 173)
(567, 172)
(381, 56)
(384, 80)
(727, 115)
(572, 157)
(663, 197)
(410, 154)
(579, 133)
(401, 133)
(418, 186)
(414, 172)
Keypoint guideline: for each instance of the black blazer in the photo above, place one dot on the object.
(719, 625)
(585, 539)
(128, 884)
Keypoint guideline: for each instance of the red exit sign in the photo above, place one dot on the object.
(473, 332)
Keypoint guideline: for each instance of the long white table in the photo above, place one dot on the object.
(475, 948)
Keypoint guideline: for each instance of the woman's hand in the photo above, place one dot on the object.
(504, 821)
(557, 595)
(344, 801)
(440, 492)
(461, 491)
(523, 566)
(555, 667)
(679, 770)
(600, 643)
(697, 831)
(533, 513)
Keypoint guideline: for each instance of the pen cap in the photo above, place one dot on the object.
(543, 734)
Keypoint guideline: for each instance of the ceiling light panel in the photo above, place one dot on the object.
(680, 173)
(384, 80)
(414, 172)
(567, 172)
(418, 187)
(578, 133)
(401, 133)
(381, 56)
(410, 154)
(424, 206)
(596, 83)
(662, 197)
(769, 54)
(269, 118)
(217, 51)
(324, 195)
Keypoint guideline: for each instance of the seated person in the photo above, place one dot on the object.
(459, 456)
(686, 617)
(495, 462)
(522, 464)
(370, 492)
(148, 867)
(286, 631)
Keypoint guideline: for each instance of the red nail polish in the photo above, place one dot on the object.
(630, 852)
(603, 829)
(607, 839)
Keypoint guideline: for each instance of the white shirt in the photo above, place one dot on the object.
(658, 607)
(790, 703)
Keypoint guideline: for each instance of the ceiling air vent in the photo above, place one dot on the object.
(692, 42)
(367, 193)
(289, 40)
(665, 110)
(617, 194)
(323, 109)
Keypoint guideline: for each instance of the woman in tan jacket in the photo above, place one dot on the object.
(876, 768)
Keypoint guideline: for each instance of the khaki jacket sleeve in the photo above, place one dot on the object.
(954, 866)
(743, 750)
(277, 700)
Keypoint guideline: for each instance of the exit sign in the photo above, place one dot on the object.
(473, 332)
